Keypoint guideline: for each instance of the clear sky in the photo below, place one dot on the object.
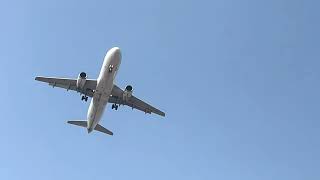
(238, 80)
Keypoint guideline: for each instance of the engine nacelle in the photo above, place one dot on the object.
(81, 80)
(127, 93)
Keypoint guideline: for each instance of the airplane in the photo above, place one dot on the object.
(102, 91)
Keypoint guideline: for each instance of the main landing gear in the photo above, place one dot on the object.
(114, 106)
(85, 98)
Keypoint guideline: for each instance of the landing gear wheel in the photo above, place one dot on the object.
(114, 106)
(110, 68)
(85, 98)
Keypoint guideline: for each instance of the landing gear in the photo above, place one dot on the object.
(85, 98)
(110, 68)
(114, 106)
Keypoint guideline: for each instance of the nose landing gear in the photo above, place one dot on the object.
(114, 106)
(110, 68)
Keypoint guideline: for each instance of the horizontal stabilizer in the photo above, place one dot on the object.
(79, 123)
(97, 128)
(103, 130)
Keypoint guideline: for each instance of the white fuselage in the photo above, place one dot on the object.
(104, 87)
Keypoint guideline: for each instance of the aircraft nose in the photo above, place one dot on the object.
(113, 56)
(116, 51)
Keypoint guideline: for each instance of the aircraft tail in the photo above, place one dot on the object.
(97, 128)
(79, 123)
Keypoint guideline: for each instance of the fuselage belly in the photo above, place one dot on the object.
(104, 87)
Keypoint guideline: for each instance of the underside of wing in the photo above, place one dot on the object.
(117, 97)
(70, 84)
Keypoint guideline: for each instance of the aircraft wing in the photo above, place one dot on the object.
(117, 97)
(70, 84)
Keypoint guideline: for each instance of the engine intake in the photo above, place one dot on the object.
(129, 88)
(81, 80)
(127, 93)
(83, 75)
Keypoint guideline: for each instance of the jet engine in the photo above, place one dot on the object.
(127, 93)
(81, 80)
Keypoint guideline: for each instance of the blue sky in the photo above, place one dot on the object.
(239, 81)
